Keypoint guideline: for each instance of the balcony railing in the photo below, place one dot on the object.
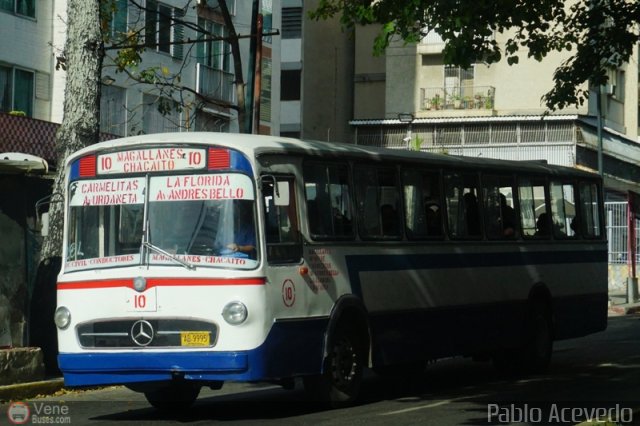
(457, 97)
(216, 84)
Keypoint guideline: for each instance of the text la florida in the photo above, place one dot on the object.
(198, 180)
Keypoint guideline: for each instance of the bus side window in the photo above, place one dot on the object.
(463, 211)
(328, 195)
(589, 214)
(499, 213)
(422, 203)
(534, 216)
(378, 202)
(563, 209)
(282, 230)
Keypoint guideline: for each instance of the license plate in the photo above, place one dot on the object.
(195, 338)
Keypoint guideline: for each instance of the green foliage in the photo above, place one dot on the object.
(416, 143)
(595, 34)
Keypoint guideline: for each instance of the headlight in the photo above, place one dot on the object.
(235, 313)
(62, 317)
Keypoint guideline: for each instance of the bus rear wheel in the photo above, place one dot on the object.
(539, 344)
(534, 355)
(340, 383)
(174, 396)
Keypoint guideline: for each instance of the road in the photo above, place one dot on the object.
(597, 374)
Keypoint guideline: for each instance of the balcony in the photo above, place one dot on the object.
(215, 84)
(464, 98)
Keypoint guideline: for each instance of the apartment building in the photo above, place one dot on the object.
(31, 84)
(410, 98)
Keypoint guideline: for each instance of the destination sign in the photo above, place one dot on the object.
(151, 160)
(107, 192)
(223, 186)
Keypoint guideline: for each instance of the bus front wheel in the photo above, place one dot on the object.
(340, 382)
(174, 396)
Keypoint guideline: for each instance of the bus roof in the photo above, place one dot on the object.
(257, 145)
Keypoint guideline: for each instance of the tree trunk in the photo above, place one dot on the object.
(80, 125)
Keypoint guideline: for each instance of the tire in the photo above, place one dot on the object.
(175, 396)
(539, 344)
(339, 385)
(534, 355)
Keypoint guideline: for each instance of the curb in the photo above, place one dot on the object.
(21, 391)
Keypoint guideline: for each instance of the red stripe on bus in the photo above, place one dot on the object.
(159, 282)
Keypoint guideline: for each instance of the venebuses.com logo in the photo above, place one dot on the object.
(20, 413)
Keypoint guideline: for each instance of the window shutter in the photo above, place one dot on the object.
(178, 34)
(150, 22)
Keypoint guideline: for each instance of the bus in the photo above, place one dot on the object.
(355, 258)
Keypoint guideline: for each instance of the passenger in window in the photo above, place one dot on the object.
(471, 214)
(542, 225)
(508, 217)
(341, 223)
(389, 220)
(433, 219)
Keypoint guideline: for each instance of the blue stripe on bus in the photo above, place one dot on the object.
(74, 172)
(240, 162)
(402, 262)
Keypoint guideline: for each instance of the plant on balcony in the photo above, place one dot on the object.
(457, 101)
(488, 103)
(435, 102)
(416, 143)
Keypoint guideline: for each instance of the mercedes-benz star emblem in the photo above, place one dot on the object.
(142, 332)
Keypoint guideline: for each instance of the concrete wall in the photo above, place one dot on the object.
(327, 88)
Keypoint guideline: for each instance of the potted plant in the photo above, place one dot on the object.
(435, 102)
(457, 101)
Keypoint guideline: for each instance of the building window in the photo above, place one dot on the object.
(163, 27)
(160, 115)
(118, 24)
(113, 110)
(16, 90)
(214, 53)
(458, 83)
(291, 22)
(19, 7)
(290, 85)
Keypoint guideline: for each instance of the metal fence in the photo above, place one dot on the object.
(617, 231)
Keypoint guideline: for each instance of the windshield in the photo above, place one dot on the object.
(203, 220)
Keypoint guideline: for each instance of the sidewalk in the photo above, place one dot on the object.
(619, 305)
(22, 391)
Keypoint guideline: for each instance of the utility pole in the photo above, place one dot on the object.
(248, 124)
(257, 87)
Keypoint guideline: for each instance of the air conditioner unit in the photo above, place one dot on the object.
(609, 89)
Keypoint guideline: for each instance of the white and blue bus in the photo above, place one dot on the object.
(352, 257)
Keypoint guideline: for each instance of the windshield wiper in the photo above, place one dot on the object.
(146, 244)
(169, 255)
